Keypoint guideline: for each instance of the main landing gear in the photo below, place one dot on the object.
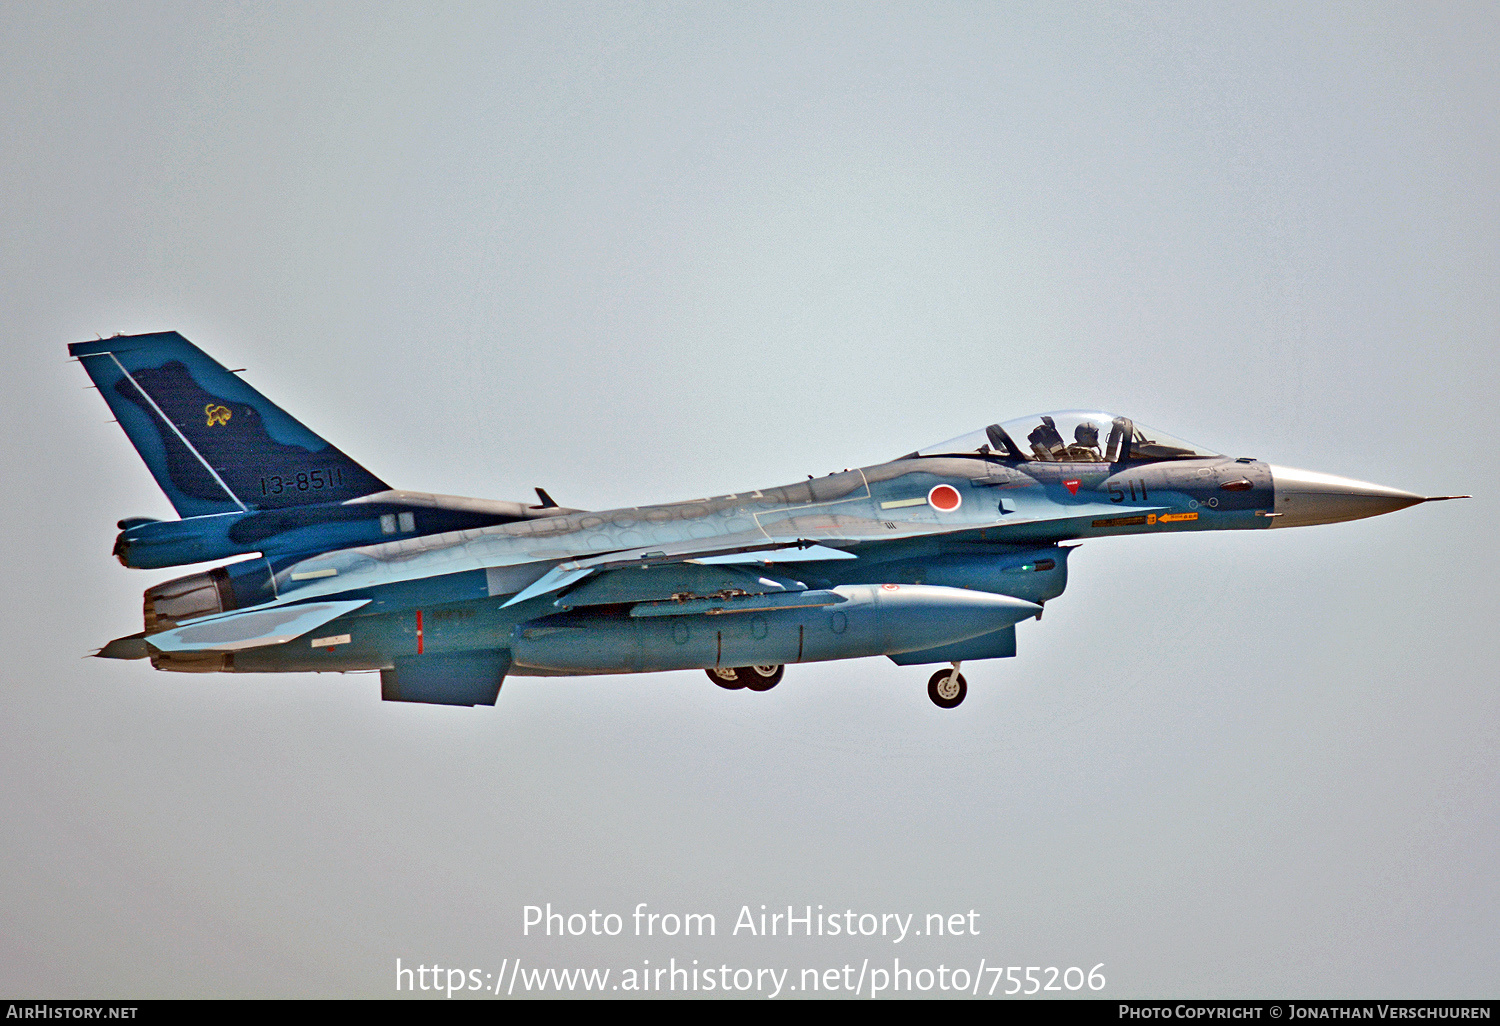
(756, 678)
(947, 688)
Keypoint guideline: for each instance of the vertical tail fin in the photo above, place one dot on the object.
(213, 443)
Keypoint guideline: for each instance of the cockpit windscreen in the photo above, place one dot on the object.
(1070, 436)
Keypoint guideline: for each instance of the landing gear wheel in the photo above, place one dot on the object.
(947, 688)
(726, 677)
(760, 678)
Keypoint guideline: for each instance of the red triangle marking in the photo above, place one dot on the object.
(1072, 485)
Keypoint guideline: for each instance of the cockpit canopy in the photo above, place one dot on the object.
(1070, 436)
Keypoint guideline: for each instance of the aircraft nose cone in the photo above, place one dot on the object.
(1305, 497)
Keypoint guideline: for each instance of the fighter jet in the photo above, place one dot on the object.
(931, 558)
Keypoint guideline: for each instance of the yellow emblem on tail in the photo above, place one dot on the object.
(217, 414)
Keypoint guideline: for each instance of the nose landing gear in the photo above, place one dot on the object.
(947, 688)
(755, 678)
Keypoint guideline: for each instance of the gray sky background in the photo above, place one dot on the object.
(640, 253)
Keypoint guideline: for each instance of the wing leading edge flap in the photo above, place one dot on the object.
(235, 631)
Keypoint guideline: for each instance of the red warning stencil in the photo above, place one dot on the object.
(1072, 485)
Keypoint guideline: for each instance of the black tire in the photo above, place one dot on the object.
(944, 696)
(757, 679)
(726, 677)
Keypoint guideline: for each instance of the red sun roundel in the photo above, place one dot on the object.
(945, 498)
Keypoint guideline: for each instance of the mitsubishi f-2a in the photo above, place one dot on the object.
(934, 557)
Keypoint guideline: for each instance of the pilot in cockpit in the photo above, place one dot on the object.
(1086, 443)
(1047, 435)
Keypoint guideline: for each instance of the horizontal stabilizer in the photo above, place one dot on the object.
(252, 629)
